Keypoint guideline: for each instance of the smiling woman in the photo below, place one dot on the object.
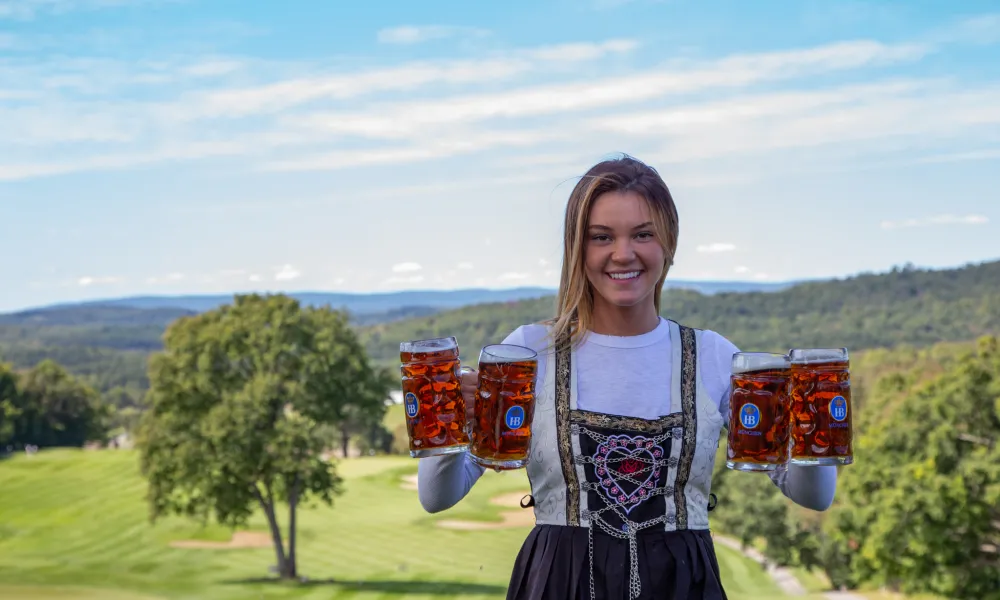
(629, 410)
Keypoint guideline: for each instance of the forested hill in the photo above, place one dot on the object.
(904, 306)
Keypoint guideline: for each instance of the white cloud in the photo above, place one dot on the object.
(409, 118)
(542, 262)
(639, 109)
(88, 280)
(465, 266)
(742, 270)
(406, 267)
(936, 220)
(254, 278)
(582, 51)
(415, 34)
(716, 247)
(287, 273)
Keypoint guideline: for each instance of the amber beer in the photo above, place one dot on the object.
(759, 417)
(821, 407)
(505, 406)
(432, 397)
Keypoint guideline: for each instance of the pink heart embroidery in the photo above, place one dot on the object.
(634, 457)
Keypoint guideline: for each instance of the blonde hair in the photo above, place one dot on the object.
(575, 300)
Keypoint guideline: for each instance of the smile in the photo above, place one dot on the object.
(625, 276)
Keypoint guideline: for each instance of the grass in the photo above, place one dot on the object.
(73, 526)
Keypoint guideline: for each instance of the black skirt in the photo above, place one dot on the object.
(554, 564)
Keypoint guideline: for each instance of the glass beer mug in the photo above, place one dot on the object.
(505, 406)
(432, 397)
(759, 411)
(821, 407)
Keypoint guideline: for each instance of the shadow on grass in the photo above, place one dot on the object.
(438, 588)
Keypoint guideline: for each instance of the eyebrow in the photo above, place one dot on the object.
(606, 228)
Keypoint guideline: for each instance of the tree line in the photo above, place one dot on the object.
(905, 306)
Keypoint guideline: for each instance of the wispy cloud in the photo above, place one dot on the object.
(88, 115)
(415, 34)
(287, 273)
(406, 267)
(936, 220)
(89, 280)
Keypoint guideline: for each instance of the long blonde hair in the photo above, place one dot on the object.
(575, 301)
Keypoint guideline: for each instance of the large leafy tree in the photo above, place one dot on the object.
(238, 403)
(52, 407)
(921, 508)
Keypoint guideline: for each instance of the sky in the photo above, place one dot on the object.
(219, 146)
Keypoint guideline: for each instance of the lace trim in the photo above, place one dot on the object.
(689, 371)
(604, 421)
(562, 375)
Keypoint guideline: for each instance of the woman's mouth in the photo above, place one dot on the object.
(623, 276)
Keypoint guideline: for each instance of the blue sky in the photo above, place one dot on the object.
(186, 146)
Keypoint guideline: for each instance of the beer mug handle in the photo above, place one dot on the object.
(468, 422)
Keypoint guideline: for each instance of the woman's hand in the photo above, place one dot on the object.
(470, 381)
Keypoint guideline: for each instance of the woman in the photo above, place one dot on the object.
(628, 415)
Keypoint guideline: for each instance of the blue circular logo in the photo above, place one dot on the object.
(750, 416)
(411, 404)
(514, 417)
(838, 409)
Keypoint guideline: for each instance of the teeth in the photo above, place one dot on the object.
(631, 275)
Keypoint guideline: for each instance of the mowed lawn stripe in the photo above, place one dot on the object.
(80, 518)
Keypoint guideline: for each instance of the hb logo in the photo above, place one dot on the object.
(838, 408)
(411, 404)
(514, 417)
(750, 416)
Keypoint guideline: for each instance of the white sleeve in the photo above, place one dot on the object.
(442, 481)
(811, 487)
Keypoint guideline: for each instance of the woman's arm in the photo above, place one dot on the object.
(442, 481)
(812, 487)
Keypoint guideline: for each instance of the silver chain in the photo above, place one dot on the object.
(631, 528)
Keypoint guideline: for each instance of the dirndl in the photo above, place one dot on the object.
(554, 564)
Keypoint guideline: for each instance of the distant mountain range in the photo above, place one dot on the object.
(365, 308)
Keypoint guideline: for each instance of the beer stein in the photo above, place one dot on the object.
(505, 406)
(821, 407)
(759, 411)
(432, 397)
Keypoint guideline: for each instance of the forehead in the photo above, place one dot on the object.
(619, 209)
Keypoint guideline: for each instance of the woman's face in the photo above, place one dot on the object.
(624, 259)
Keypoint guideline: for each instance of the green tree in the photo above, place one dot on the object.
(237, 407)
(56, 409)
(8, 404)
(363, 420)
(922, 502)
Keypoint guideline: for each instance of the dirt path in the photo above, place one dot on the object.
(781, 576)
(522, 517)
(240, 539)
(842, 596)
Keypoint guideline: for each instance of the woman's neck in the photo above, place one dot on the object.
(624, 321)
